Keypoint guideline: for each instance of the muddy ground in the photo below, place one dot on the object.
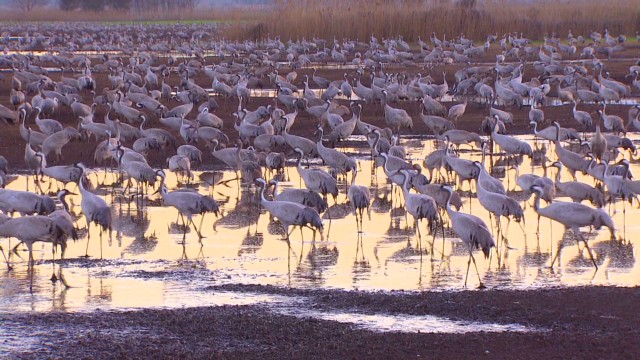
(575, 323)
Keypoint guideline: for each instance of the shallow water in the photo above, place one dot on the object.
(151, 262)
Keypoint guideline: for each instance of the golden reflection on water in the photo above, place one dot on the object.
(149, 260)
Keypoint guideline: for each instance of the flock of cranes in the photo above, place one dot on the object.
(129, 111)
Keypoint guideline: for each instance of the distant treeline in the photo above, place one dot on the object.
(137, 6)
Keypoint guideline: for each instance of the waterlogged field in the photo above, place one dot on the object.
(151, 261)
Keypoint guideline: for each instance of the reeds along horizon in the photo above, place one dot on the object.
(359, 19)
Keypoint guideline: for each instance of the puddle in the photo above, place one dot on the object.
(405, 323)
(151, 262)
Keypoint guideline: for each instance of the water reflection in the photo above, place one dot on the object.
(151, 256)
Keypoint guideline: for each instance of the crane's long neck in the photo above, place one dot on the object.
(320, 135)
(63, 201)
(536, 203)
(405, 185)
(263, 198)
(559, 174)
(353, 179)
(447, 204)
(374, 150)
(300, 169)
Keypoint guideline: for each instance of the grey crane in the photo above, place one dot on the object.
(612, 123)
(36, 137)
(345, 129)
(181, 164)
(576, 190)
(95, 210)
(465, 169)
(334, 158)
(360, 199)
(308, 147)
(396, 118)
(536, 114)
(574, 216)
(456, 111)
(582, 117)
(598, 143)
(317, 180)
(54, 142)
(487, 181)
(193, 153)
(420, 206)
(188, 203)
(472, 231)
(62, 173)
(290, 213)
(436, 124)
(510, 145)
(459, 137)
(47, 126)
(29, 229)
(550, 133)
(305, 197)
(25, 203)
(572, 161)
(31, 160)
(500, 205)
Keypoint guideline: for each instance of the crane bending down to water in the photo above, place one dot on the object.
(29, 229)
(290, 213)
(472, 231)
(574, 216)
(187, 202)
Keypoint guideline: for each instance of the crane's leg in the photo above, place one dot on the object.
(53, 264)
(200, 228)
(5, 258)
(419, 245)
(468, 266)
(588, 249)
(195, 228)
(101, 230)
(31, 260)
(553, 261)
(481, 286)
(86, 252)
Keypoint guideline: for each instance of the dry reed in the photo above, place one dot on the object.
(359, 19)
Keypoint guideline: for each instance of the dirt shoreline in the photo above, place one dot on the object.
(581, 322)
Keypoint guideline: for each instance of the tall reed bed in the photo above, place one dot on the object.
(359, 19)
